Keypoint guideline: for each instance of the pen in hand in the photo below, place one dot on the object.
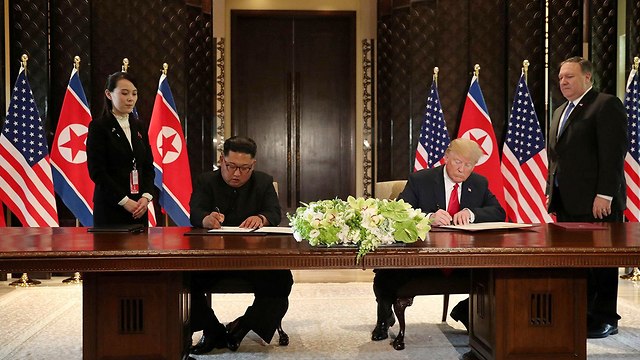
(214, 220)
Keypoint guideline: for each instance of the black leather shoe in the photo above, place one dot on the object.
(208, 343)
(235, 333)
(381, 331)
(602, 331)
(460, 313)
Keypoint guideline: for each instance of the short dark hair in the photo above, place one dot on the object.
(585, 65)
(112, 82)
(240, 144)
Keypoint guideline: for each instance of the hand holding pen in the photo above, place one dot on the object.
(213, 220)
(441, 217)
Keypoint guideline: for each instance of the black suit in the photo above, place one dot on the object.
(588, 159)
(271, 287)
(425, 190)
(110, 159)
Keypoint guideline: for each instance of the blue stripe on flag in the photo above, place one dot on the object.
(71, 199)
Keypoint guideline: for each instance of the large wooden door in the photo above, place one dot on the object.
(293, 91)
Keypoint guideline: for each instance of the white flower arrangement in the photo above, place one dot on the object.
(367, 223)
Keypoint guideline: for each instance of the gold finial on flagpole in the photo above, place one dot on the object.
(165, 68)
(436, 70)
(636, 62)
(476, 70)
(525, 69)
(76, 62)
(125, 65)
(23, 61)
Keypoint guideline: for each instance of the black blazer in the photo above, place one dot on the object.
(256, 197)
(425, 190)
(110, 161)
(588, 157)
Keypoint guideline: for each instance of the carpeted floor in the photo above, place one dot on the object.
(325, 321)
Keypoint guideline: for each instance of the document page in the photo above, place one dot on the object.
(487, 226)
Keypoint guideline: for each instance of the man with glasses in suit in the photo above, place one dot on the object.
(237, 195)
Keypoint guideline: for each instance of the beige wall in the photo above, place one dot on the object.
(365, 29)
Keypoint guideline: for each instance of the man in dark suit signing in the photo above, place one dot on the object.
(449, 194)
(237, 195)
(587, 145)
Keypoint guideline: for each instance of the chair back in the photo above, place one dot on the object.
(389, 189)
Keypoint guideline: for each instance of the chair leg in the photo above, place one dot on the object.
(445, 307)
(283, 337)
(399, 307)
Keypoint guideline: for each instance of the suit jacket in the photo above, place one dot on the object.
(257, 196)
(425, 190)
(110, 160)
(588, 156)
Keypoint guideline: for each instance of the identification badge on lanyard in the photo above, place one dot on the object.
(134, 184)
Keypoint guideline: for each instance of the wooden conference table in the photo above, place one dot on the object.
(528, 295)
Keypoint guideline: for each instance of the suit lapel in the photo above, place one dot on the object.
(586, 100)
(118, 133)
(467, 191)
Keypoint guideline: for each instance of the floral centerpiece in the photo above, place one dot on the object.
(367, 223)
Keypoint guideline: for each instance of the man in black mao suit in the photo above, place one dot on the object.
(587, 145)
(432, 191)
(237, 195)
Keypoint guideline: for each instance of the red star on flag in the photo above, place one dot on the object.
(167, 144)
(479, 141)
(76, 143)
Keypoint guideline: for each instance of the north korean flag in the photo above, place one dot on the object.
(170, 159)
(476, 125)
(69, 153)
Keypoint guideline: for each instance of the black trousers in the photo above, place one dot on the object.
(271, 289)
(602, 283)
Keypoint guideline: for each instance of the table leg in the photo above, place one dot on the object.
(528, 314)
(134, 315)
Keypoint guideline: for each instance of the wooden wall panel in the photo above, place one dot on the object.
(633, 33)
(565, 38)
(603, 50)
(525, 40)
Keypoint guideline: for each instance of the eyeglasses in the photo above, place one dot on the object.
(231, 167)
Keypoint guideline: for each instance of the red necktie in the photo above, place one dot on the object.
(454, 203)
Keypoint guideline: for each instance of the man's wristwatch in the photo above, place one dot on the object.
(263, 218)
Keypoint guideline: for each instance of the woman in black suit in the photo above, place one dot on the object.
(119, 157)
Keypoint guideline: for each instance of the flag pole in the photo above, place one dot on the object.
(24, 280)
(76, 278)
(165, 70)
(634, 274)
(476, 71)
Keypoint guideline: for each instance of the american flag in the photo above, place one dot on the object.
(524, 162)
(434, 138)
(26, 184)
(632, 160)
